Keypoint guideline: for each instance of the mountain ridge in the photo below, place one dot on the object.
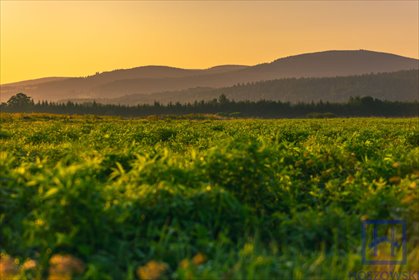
(153, 79)
(392, 86)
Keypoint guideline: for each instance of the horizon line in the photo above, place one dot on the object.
(203, 68)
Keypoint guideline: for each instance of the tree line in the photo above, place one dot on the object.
(354, 107)
(394, 86)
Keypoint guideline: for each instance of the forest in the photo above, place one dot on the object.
(392, 86)
(354, 107)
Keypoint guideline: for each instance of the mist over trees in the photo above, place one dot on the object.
(395, 86)
(355, 106)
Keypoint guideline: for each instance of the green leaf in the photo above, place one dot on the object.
(50, 192)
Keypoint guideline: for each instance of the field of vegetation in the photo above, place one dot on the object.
(201, 198)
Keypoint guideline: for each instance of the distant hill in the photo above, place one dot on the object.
(338, 63)
(36, 81)
(394, 86)
(155, 79)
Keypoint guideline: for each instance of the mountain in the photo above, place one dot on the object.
(225, 68)
(36, 81)
(156, 79)
(394, 86)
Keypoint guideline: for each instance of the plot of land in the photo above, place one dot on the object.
(102, 198)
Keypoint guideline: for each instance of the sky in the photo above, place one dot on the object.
(80, 38)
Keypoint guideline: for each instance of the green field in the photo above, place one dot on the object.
(107, 198)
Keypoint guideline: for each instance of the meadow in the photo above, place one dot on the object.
(201, 198)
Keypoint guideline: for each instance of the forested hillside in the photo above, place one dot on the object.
(395, 86)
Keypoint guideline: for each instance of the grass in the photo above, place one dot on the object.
(107, 198)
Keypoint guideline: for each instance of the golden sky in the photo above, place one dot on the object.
(79, 38)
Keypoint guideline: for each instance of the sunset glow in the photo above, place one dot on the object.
(66, 38)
